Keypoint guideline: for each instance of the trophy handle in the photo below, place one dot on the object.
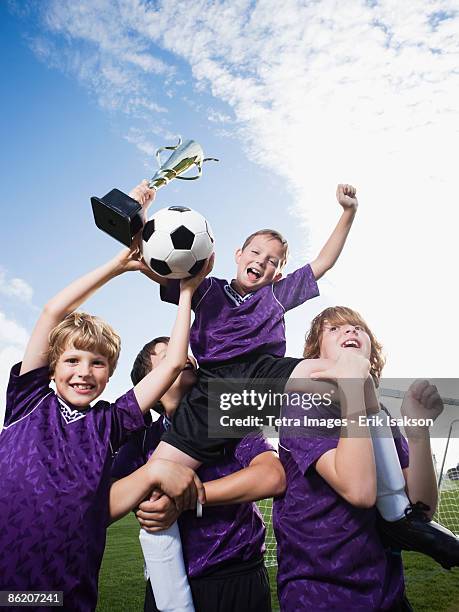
(161, 149)
(199, 167)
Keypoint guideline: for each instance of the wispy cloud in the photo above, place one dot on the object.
(93, 41)
(16, 288)
(13, 339)
(317, 73)
(13, 335)
(321, 92)
(11, 332)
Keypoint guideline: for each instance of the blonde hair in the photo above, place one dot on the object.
(275, 235)
(84, 332)
(340, 315)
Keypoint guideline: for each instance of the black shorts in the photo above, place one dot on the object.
(243, 587)
(189, 431)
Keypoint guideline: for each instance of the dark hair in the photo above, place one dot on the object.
(142, 363)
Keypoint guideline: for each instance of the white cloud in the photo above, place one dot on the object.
(15, 287)
(13, 339)
(145, 139)
(321, 92)
(11, 332)
(107, 58)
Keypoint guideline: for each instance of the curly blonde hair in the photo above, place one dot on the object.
(340, 315)
(84, 332)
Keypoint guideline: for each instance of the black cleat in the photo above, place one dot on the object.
(418, 533)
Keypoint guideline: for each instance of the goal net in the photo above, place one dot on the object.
(448, 482)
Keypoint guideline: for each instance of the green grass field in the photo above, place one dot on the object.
(121, 584)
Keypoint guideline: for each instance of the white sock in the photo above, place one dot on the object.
(391, 499)
(163, 556)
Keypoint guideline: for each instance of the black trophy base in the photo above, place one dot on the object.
(118, 215)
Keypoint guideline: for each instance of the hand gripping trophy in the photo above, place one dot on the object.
(120, 216)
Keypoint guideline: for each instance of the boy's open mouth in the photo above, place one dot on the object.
(352, 343)
(253, 273)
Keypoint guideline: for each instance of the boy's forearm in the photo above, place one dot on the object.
(350, 468)
(152, 387)
(62, 304)
(70, 298)
(354, 458)
(258, 481)
(128, 492)
(177, 350)
(334, 245)
(371, 395)
(421, 482)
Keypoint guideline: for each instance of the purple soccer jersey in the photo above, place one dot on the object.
(55, 463)
(227, 325)
(225, 534)
(330, 555)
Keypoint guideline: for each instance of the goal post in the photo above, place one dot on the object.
(448, 483)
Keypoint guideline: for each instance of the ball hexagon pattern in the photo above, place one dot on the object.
(176, 242)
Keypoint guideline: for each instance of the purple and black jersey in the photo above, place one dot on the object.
(225, 534)
(227, 325)
(55, 463)
(329, 552)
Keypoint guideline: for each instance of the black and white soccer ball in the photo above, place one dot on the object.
(177, 241)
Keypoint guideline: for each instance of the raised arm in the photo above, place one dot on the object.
(326, 259)
(70, 298)
(151, 388)
(421, 401)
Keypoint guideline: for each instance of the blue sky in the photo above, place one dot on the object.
(292, 103)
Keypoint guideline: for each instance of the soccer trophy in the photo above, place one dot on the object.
(120, 216)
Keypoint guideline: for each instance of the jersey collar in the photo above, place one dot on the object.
(234, 295)
(70, 414)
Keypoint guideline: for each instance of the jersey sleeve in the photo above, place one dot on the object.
(171, 292)
(126, 418)
(25, 392)
(130, 456)
(401, 446)
(306, 451)
(296, 288)
(137, 449)
(250, 447)
(307, 443)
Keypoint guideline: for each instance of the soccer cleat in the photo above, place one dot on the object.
(418, 533)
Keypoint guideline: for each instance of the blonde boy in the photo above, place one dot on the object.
(57, 446)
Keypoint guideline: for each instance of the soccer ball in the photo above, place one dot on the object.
(176, 242)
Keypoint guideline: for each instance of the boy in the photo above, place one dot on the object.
(223, 550)
(239, 329)
(329, 549)
(56, 449)
(239, 332)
